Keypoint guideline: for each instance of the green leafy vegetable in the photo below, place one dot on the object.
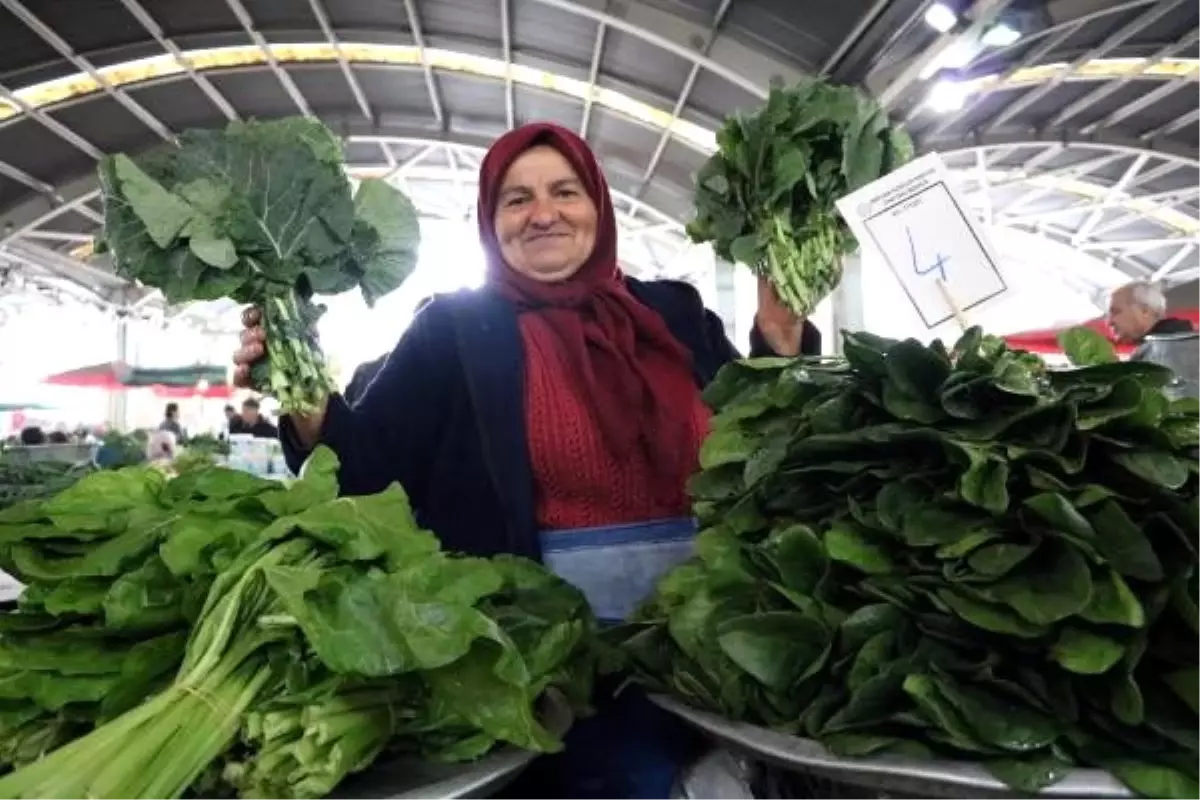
(104, 617)
(766, 198)
(950, 552)
(1084, 346)
(21, 480)
(261, 212)
(223, 634)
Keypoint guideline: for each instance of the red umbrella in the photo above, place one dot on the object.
(1046, 340)
(108, 375)
(116, 375)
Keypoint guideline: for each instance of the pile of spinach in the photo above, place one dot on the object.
(112, 586)
(21, 479)
(223, 634)
(766, 197)
(261, 212)
(954, 553)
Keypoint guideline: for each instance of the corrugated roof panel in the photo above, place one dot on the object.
(541, 28)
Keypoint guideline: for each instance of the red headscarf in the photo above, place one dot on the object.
(618, 348)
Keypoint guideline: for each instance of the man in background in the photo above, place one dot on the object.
(1139, 309)
(171, 424)
(33, 436)
(232, 421)
(253, 423)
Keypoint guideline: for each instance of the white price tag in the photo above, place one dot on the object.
(915, 221)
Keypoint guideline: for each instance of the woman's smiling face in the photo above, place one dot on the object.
(545, 222)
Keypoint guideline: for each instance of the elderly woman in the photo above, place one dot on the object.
(554, 414)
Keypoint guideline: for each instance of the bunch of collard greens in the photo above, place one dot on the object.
(261, 212)
(945, 553)
(766, 197)
(220, 634)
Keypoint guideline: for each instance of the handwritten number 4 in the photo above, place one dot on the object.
(938, 266)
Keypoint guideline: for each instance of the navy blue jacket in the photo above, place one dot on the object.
(444, 415)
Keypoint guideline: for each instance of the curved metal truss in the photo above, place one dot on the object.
(1094, 194)
(1048, 128)
(1036, 62)
(1115, 222)
(1095, 198)
(441, 177)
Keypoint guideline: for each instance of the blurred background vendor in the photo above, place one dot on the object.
(252, 422)
(1139, 309)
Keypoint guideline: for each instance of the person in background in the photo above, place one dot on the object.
(556, 414)
(58, 437)
(33, 436)
(232, 422)
(1139, 309)
(161, 446)
(252, 422)
(171, 422)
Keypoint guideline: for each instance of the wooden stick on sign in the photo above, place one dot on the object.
(959, 317)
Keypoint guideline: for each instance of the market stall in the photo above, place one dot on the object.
(923, 568)
(282, 682)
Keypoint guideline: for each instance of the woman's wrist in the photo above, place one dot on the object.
(307, 427)
(784, 340)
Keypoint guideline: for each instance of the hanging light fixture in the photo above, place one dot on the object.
(941, 17)
(1000, 35)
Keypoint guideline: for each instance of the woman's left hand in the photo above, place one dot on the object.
(779, 325)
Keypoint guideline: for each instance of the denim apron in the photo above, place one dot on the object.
(617, 567)
(630, 748)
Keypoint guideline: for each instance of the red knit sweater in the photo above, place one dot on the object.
(577, 482)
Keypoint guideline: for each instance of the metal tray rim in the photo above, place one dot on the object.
(794, 751)
(471, 779)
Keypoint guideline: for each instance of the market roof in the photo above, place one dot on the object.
(1082, 130)
(1109, 90)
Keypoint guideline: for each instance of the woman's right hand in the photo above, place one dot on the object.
(253, 348)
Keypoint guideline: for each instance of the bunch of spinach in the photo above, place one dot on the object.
(960, 553)
(531, 635)
(261, 212)
(331, 630)
(766, 197)
(112, 584)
